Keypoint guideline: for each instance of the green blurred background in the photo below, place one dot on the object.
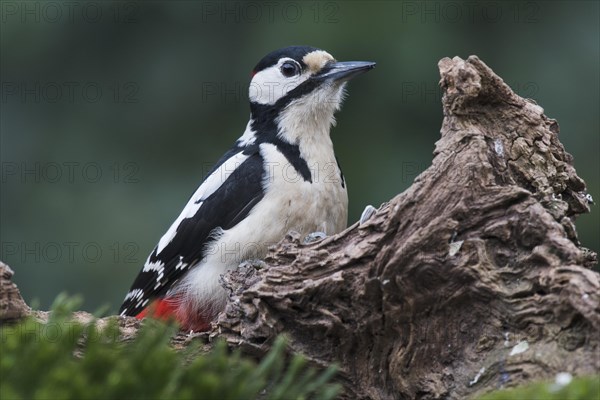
(113, 111)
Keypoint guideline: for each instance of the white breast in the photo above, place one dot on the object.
(289, 203)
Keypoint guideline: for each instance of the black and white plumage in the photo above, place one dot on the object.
(281, 175)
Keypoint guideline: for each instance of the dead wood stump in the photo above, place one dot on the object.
(470, 280)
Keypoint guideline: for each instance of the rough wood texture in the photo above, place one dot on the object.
(470, 280)
(12, 305)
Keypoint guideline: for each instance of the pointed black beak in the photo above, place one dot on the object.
(343, 71)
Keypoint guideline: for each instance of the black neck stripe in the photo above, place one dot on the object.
(292, 154)
(266, 130)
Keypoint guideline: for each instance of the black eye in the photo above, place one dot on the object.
(289, 69)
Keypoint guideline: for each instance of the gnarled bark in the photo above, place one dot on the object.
(12, 305)
(471, 279)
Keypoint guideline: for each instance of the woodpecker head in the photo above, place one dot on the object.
(300, 85)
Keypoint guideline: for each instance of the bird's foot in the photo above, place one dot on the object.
(367, 213)
(314, 237)
(253, 263)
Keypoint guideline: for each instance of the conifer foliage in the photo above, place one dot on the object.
(62, 359)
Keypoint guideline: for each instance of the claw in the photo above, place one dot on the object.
(252, 263)
(367, 213)
(314, 237)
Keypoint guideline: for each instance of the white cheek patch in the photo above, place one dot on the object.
(270, 85)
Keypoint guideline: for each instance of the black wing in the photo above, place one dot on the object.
(224, 202)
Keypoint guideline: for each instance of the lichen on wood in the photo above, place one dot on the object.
(12, 305)
(470, 280)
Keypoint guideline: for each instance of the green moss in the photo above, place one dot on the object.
(584, 388)
(39, 361)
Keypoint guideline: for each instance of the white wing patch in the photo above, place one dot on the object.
(135, 294)
(208, 187)
(159, 267)
(248, 137)
(154, 266)
(181, 264)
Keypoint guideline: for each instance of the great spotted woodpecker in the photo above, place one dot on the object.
(281, 175)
